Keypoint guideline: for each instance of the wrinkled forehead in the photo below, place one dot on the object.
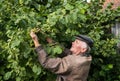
(81, 43)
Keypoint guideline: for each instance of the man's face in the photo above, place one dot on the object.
(78, 47)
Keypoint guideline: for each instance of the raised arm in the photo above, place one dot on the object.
(56, 65)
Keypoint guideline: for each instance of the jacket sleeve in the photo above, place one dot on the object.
(56, 65)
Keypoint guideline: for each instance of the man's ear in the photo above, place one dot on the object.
(83, 50)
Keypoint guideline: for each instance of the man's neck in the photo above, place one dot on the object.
(77, 53)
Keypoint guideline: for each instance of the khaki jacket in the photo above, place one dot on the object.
(69, 68)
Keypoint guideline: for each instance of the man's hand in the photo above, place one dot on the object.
(49, 40)
(33, 35)
(34, 38)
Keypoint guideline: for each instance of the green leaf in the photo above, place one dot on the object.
(7, 75)
(15, 43)
(110, 66)
(102, 73)
(36, 69)
(21, 1)
(57, 50)
(82, 11)
(68, 7)
(18, 79)
(37, 6)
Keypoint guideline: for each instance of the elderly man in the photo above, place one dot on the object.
(74, 66)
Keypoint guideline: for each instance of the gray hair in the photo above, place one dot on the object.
(88, 49)
(87, 52)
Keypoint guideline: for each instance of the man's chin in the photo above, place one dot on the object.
(71, 49)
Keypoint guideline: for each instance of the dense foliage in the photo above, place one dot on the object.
(60, 20)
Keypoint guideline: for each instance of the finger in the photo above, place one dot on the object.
(32, 30)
